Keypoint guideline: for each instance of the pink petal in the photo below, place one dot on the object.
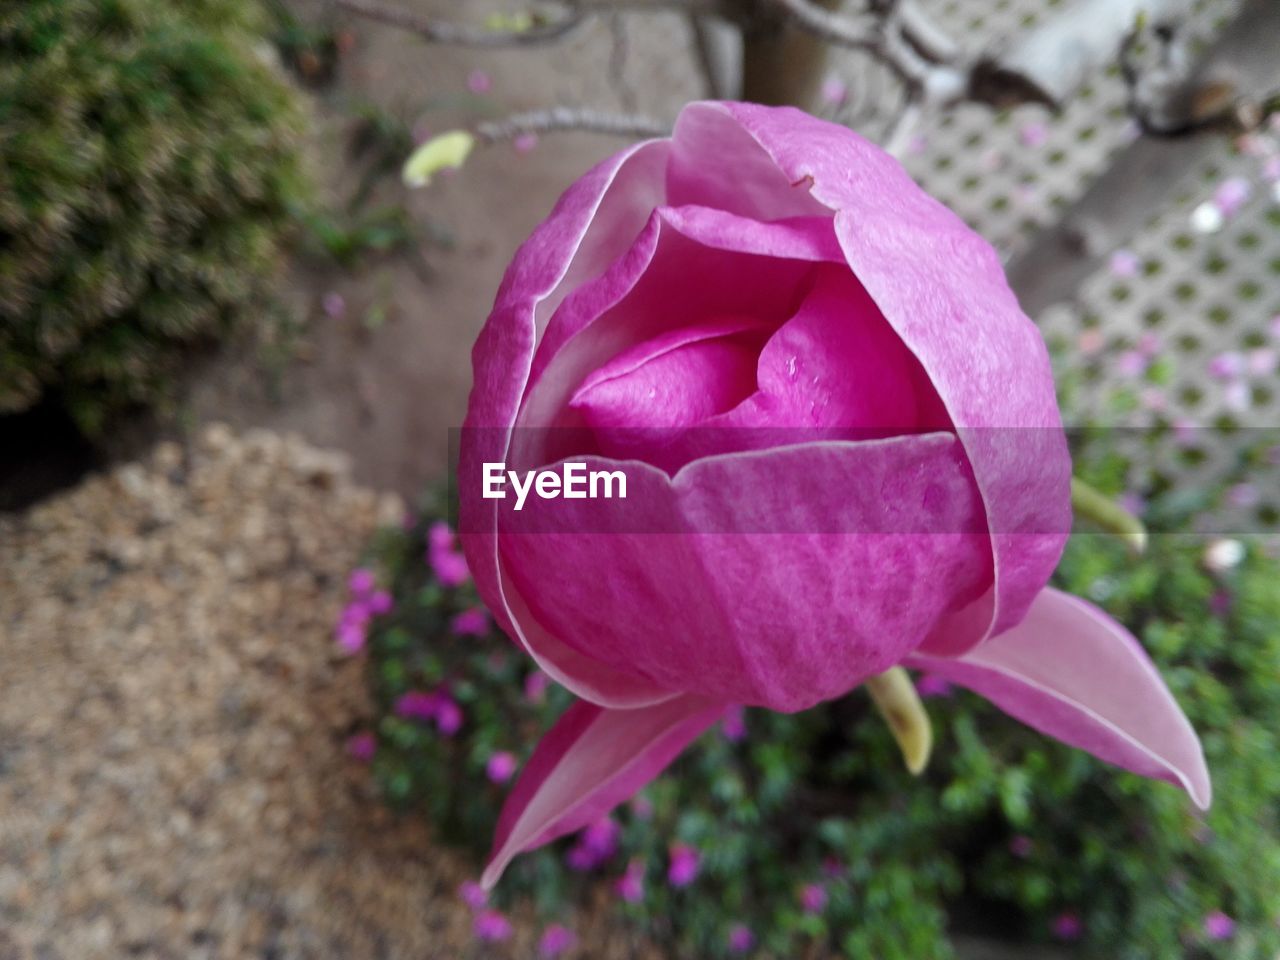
(1073, 673)
(783, 598)
(943, 289)
(592, 225)
(588, 763)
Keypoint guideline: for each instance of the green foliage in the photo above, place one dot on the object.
(148, 170)
(1004, 817)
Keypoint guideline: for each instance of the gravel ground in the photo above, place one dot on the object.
(173, 781)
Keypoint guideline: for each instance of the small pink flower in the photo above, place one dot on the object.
(334, 305)
(1066, 926)
(491, 927)
(1091, 341)
(1227, 365)
(834, 91)
(479, 82)
(932, 685)
(535, 686)
(1271, 169)
(350, 635)
(555, 940)
(361, 582)
(630, 885)
(500, 767)
(446, 561)
(684, 865)
(1124, 263)
(524, 142)
(832, 868)
(1021, 846)
(1262, 362)
(448, 716)
(741, 939)
(379, 603)
(417, 705)
(1149, 344)
(601, 837)
(1231, 195)
(1034, 134)
(1132, 364)
(362, 746)
(813, 898)
(733, 725)
(473, 895)
(470, 623)
(1218, 926)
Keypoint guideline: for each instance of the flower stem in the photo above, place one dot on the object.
(1108, 515)
(895, 697)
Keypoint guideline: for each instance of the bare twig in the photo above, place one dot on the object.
(718, 47)
(571, 118)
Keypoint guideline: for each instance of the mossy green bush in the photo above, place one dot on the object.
(1005, 823)
(149, 169)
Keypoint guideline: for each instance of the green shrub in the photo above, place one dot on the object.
(1045, 836)
(148, 168)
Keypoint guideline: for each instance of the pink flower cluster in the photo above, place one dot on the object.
(446, 560)
(364, 603)
(438, 707)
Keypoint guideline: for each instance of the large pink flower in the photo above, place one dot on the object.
(843, 453)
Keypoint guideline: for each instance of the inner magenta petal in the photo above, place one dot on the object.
(648, 394)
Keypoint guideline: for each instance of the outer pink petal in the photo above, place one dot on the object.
(588, 763)
(594, 223)
(1072, 672)
(839, 561)
(942, 289)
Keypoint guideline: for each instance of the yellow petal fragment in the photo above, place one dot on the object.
(445, 151)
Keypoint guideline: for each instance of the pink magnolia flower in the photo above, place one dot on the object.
(813, 898)
(491, 927)
(555, 940)
(683, 867)
(500, 767)
(1218, 926)
(800, 363)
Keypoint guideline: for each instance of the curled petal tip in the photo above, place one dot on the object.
(895, 697)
